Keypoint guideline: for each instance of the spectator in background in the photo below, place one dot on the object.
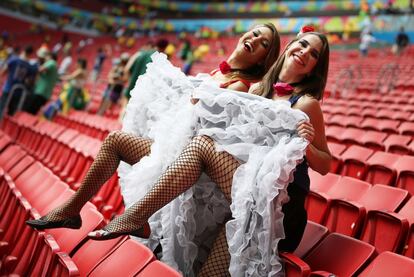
(99, 60)
(137, 65)
(401, 41)
(115, 84)
(366, 39)
(65, 64)
(45, 82)
(73, 95)
(20, 72)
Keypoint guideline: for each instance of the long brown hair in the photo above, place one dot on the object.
(257, 71)
(313, 84)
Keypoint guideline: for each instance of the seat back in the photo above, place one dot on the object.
(127, 260)
(389, 264)
(340, 255)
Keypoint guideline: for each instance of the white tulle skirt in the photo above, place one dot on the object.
(259, 132)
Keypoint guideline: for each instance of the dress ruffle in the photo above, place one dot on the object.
(259, 132)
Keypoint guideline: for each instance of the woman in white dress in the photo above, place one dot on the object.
(255, 53)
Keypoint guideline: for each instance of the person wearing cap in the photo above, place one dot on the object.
(116, 80)
(45, 83)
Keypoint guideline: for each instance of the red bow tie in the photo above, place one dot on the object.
(224, 67)
(282, 89)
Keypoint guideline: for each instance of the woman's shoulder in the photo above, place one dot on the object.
(308, 104)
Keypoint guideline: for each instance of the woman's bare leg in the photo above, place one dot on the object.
(117, 146)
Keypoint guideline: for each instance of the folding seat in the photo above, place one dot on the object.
(16, 259)
(354, 161)
(373, 140)
(114, 204)
(5, 141)
(336, 150)
(402, 115)
(381, 168)
(406, 128)
(383, 228)
(92, 253)
(337, 254)
(157, 268)
(389, 264)
(333, 133)
(68, 239)
(411, 147)
(405, 173)
(127, 260)
(313, 234)
(10, 156)
(385, 114)
(354, 110)
(382, 125)
(351, 136)
(369, 112)
(344, 214)
(397, 144)
(345, 120)
(48, 196)
(63, 159)
(63, 266)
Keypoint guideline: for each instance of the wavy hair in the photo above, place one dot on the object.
(313, 84)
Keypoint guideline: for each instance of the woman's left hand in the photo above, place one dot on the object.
(306, 130)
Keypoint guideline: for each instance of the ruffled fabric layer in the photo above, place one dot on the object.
(262, 134)
(259, 132)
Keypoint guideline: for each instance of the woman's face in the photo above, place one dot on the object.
(302, 55)
(254, 45)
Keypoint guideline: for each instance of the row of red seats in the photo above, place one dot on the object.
(324, 253)
(377, 214)
(29, 189)
(92, 125)
(68, 154)
(375, 167)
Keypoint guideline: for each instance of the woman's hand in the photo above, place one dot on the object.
(194, 100)
(306, 131)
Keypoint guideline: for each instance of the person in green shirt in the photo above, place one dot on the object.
(45, 82)
(137, 66)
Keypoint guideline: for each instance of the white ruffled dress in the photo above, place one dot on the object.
(259, 132)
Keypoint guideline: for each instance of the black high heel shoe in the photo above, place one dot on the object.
(74, 222)
(103, 234)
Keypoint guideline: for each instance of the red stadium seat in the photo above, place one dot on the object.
(406, 128)
(381, 125)
(354, 159)
(351, 136)
(380, 229)
(405, 173)
(317, 200)
(344, 214)
(127, 260)
(397, 144)
(313, 234)
(389, 264)
(337, 254)
(157, 268)
(91, 253)
(373, 140)
(336, 150)
(381, 168)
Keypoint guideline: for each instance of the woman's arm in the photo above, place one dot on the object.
(238, 86)
(317, 153)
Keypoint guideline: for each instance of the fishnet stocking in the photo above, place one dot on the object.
(117, 146)
(218, 261)
(199, 155)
